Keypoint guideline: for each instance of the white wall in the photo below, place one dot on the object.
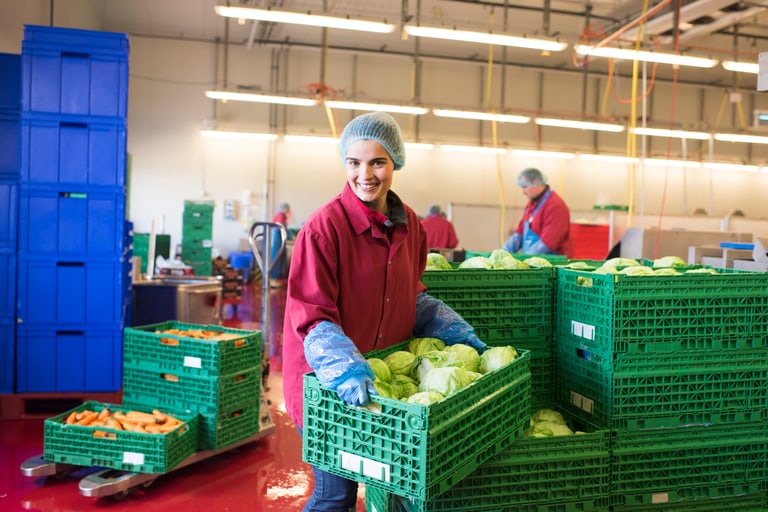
(171, 162)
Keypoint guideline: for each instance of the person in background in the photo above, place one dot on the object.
(280, 268)
(355, 286)
(546, 223)
(440, 231)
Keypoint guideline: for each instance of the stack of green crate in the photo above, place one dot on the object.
(167, 366)
(197, 236)
(676, 366)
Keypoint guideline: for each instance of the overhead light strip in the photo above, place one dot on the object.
(645, 56)
(261, 98)
(583, 125)
(741, 67)
(480, 116)
(467, 36)
(741, 137)
(377, 107)
(675, 134)
(304, 18)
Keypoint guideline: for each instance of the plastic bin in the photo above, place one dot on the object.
(413, 450)
(10, 85)
(10, 144)
(7, 356)
(9, 216)
(8, 288)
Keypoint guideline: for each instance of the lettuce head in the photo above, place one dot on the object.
(380, 369)
(476, 262)
(436, 261)
(418, 346)
(447, 380)
(424, 398)
(496, 357)
(470, 358)
(400, 362)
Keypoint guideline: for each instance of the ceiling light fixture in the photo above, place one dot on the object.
(741, 67)
(609, 158)
(724, 166)
(676, 134)
(303, 18)
(472, 149)
(377, 107)
(229, 134)
(583, 125)
(543, 154)
(741, 137)
(660, 162)
(419, 145)
(645, 56)
(467, 36)
(481, 116)
(261, 98)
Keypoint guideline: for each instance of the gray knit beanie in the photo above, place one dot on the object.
(378, 126)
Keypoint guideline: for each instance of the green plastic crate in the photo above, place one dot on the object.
(183, 392)
(745, 503)
(118, 449)
(144, 348)
(141, 247)
(499, 304)
(674, 465)
(218, 431)
(639, 314)
(414, 450)
(664, 389)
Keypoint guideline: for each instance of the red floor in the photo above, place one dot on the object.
(266, 475)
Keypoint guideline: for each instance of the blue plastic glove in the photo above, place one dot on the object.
(436, 319)
(538, 247)
(513, 243)
(338, 364)
(355, 390)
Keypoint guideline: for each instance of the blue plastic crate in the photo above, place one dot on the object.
(80, 223)
(10, 143)
(70, 293)
(8, 287)
(71, 71)
(10, 85)
(9, 215)
(73, 150)
(7, 356)
(52, 358)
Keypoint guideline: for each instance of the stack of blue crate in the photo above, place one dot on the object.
(73, 251)
(10, 125)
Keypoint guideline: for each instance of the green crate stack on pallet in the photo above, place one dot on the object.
(197, 236)
(412, 450)
(506, 307)
(676, 366)
(219, 377)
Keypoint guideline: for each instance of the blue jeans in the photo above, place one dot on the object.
(332, 493)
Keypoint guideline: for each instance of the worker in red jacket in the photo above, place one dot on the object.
(440, 231)
(546, 223)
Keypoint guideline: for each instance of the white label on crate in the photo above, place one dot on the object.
(582, 402)
(133, 458)
(581, 330)
(193, 362)
(208, 243)
(660, 497)
(364, 466)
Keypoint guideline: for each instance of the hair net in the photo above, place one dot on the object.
(434, 210)
(284, 207)
(531, 177)
(378, 126)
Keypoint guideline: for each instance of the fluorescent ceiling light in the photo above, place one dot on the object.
(741, 137)
(304, 18)
(486, 38)
(645, 56)
(226, 134)
(677, 134)
(583, 125)
(543, 154)
(660, 162)
(480, 116)
(609, 158)
(472, 149)
(741, 67)
(374, 107)
(312, 139)
(724, 166)
(261, 98)
(419, 145)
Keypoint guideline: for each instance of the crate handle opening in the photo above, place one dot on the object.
(173, 342)
(103, 434)
(583, 354)
(170, 377)
(76, 55)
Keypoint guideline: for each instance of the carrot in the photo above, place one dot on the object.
(71, 419)
(105, 412)
(140, 417)
(112, 422)
(87, 419)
